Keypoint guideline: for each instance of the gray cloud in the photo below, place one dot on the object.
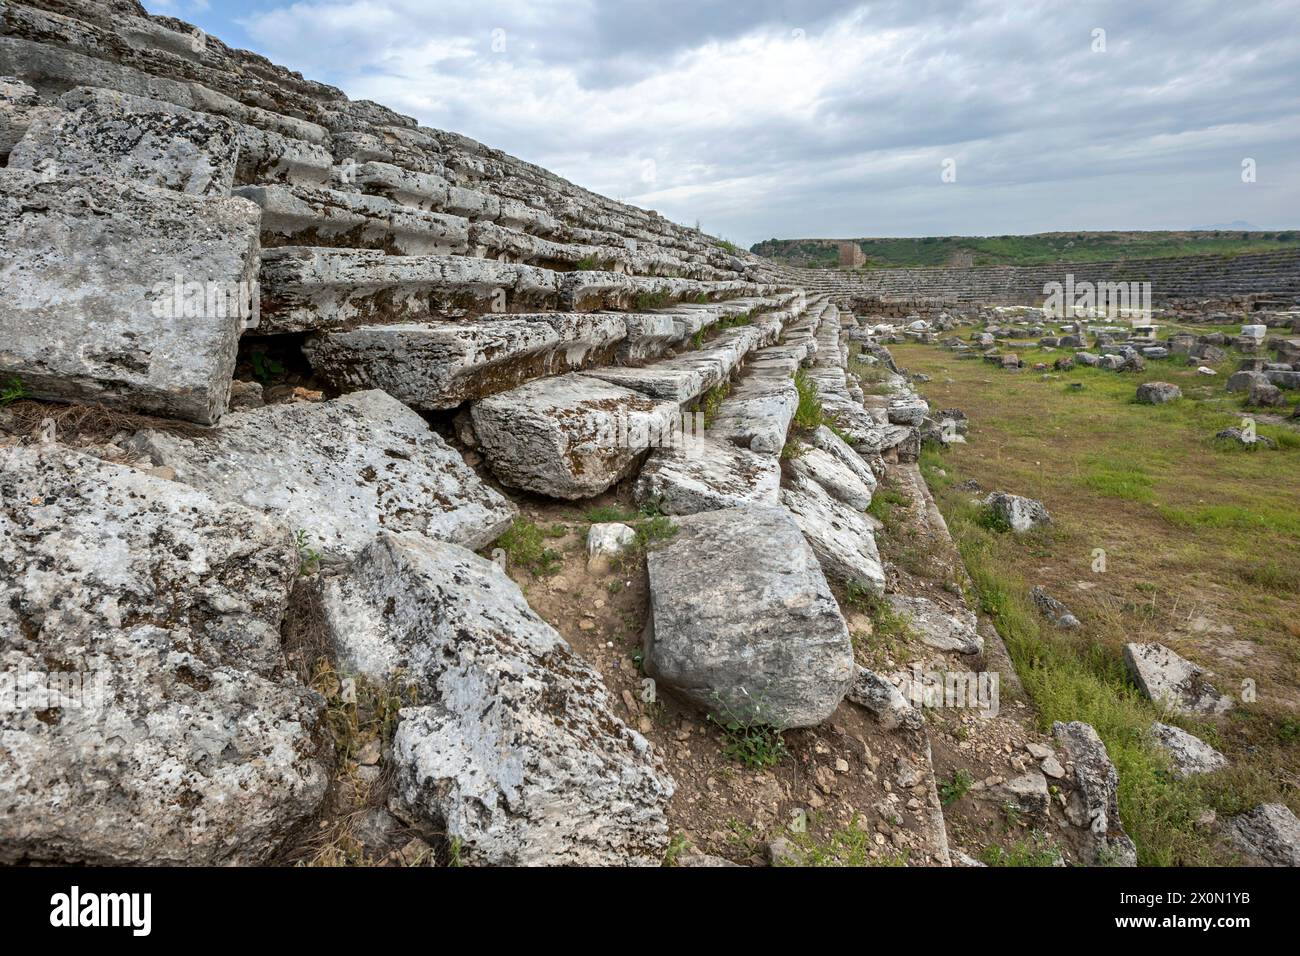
(825, 118)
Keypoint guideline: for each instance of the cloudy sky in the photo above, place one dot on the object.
(762, 118)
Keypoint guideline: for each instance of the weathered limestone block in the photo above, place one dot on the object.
(1269, 835)
(264, 156)
(1167, 678)
(939, 627)
(826, 440)
(91, 269)
(1158, 393)
(303, 215)
(572, 436)
(52, 69)
(885, 701)
(685, 377)
(841, 537)
(757, 413)
(1094, 804)
(439, 365)
(513, 748)
(143, 141)
(742, 621)
(305, 288)
(20, 106)
(339, 471)
(835, 477)
(140, 623)
(1189, 754)
(705, 475)
(1019, 514)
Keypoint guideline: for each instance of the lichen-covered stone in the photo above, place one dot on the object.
(182, 738)
(144, 141)
(742, 622)
(513, 749)
(338, 471)
(126, 295)
(572, 436)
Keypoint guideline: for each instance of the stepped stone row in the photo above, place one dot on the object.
(1196, 281)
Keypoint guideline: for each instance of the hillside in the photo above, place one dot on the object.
(1025, 250)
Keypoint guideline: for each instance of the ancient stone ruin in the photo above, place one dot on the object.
(284, 367)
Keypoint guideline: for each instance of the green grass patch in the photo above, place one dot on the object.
(525, 547)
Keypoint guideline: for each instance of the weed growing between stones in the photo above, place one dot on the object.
(845, 847)
(12, 392)
(525, 546)
(956, 787)
(750, 740)
(1036, 850)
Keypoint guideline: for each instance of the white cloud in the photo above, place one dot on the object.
(759, 130)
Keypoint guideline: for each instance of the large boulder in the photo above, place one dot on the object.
(742, 621)
(106, 133)
(155, 720)
(513, 748)
(1167, 678)
(841, 537)
(126, 295)
(572, 436)
(338, 471)
(1269, 835)
(1094, 804)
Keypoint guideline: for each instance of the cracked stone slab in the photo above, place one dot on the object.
(156, 722)
(572, 436)
(1165, 677)
(1094, 804)
(439, 365)
(1189, 754)
(707, 476)
(757, 413)
(841, 537)
(742, 621)
(90, 269)
(513, 748)
(1269, 835)
(942, 628)
(339, 471)
(306, 288)
(835, 477)
(130, 138)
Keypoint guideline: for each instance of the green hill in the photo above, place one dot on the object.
(1026, 250)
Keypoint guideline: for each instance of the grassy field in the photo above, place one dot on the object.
(1028, 250)
(1160, 533)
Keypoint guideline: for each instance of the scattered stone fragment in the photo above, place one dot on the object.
(939, 627)
(1168, 678)
(605, 542)
(1158, 393)
(1052, 609)
(885, 701)
(1019, 514)
(1094, 803)
(1269, 835)
(1190, 755)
